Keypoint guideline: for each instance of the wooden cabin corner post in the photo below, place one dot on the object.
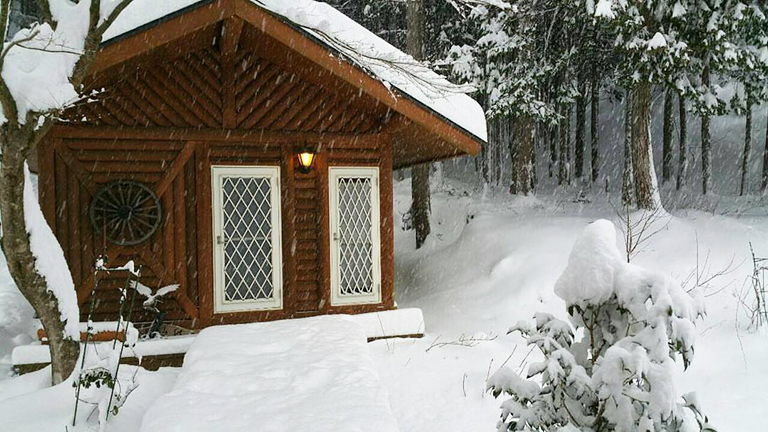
(46, 185)
(325, 233)
(204, 233)
(288, 192)
(387, 222)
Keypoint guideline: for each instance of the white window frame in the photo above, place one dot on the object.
(218, 172)
(334, 173)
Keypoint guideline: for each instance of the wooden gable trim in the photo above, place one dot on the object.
(200, 134)
(289, 35)
(134, 44)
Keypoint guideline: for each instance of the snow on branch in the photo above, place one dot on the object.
(618, 373)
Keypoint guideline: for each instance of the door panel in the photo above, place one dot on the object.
(247, 252)
(355, 245)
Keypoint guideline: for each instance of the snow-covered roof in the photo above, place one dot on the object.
(341, 34)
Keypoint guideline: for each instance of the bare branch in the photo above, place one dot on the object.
(44, 9)
(5, 8)
(93, 39)
(6, 98)
(113, 16)
(16, 43)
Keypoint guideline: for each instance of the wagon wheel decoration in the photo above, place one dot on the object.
(127, 211)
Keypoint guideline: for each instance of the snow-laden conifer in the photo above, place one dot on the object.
(612, 367)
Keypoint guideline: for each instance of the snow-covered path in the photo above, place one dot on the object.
(308, 374)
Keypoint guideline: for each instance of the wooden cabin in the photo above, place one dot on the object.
(186, 157)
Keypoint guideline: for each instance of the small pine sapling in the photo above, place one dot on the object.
(618, 373)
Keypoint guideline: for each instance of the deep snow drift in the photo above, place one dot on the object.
(493, 262)
(311, 374)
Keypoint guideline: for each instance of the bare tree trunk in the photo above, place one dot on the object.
(706, 142)
(683, 142)
(420, 204)
(17, 141)
(641, 146)
(666, 171)
(627, 175)
(581, 120)
(562, 168)
(765, 158)
(497, 160)
(17, 145)
(594, 115)
(551, 132)
(564, 157)
(747, 146)
(522, 181)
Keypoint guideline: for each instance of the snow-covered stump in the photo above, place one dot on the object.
(619, 373)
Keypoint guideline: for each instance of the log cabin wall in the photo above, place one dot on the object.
(162, 119)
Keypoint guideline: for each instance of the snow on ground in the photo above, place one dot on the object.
(29, 404)
(493, 262)
(296, 375)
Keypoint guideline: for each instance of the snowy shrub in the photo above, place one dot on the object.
(618, 374)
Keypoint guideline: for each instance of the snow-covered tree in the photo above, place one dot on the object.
(633, 326)
(43, 69)
(711, 29)
(652, 51)
(749, 72)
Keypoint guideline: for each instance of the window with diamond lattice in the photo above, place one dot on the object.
(246, 220)
(355, 244)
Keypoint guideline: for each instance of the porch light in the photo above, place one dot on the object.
(306, 159)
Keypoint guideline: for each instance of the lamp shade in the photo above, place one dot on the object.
(306, 159)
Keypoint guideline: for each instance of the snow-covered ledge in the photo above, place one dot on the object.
(377, 325)
(392, 323)
(39, 354)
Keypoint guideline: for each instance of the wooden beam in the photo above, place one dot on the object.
(233, 28)
(237, 136)
(231, 31)
(175, 169)
(171, 30)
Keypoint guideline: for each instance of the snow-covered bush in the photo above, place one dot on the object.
(618, 374)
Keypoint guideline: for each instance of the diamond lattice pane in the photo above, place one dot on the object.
(247, 238)
(355, 236)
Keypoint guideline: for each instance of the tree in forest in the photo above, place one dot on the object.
(711, 29)
(420, 199)
(652, 52)
(517, 64)
(43, 69)
(667, 130)
(682, 162)
(749, 74)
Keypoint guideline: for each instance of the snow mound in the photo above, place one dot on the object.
(296, 375)
(592, 266)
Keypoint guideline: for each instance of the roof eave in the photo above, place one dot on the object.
(395, 98)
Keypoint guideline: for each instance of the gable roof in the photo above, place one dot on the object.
(403, 84)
